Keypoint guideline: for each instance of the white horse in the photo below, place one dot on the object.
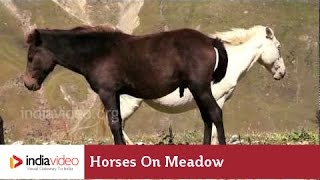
(245, 47)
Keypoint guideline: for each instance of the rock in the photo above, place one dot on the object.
(234, 138)
(236, 142)
(90, 141)
(17, 143)
(52, 142)
(140, 143)
(304, 37)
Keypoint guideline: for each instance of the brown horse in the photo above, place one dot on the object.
(147, 67)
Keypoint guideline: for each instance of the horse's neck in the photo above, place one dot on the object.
(242, 58)
(77, 55)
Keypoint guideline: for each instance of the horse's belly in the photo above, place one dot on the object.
(149, 93)
(172, 103)
(152, 88)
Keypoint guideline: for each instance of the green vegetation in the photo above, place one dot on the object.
(300, 137)
(11, 44)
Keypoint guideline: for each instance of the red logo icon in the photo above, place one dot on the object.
(14, 164)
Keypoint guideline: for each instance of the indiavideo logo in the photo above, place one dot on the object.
(15, 161)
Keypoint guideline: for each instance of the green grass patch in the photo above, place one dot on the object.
(300, 137)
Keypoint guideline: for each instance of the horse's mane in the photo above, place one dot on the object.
(34, 35)
(100, 28)
(237, 36)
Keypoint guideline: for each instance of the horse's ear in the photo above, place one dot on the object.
(34, 38)
(269, 33)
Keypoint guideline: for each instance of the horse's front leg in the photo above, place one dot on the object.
(111, 103)
(210, 112)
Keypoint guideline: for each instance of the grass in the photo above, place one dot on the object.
(195, 137)
(300, 137)
(295, 136)
(11, 51)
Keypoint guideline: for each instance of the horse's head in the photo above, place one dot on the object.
(271, 56)
(40, 62)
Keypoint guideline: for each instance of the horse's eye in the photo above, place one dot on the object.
(269, 37)
(30, 59)
(279, 46)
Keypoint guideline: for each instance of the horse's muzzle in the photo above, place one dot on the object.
(33, 87)
(279, 76)
(31, 83)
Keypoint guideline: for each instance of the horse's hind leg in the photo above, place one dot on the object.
(128, 105)
(111, 101)
(214, 136)
(210, 112)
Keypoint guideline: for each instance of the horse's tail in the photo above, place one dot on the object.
(221, 68)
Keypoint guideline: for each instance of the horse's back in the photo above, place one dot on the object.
(173, 50)
(152, 66)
